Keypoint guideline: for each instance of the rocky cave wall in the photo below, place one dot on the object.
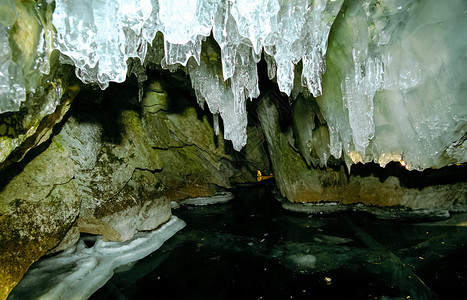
(345, 119)
(112, 167)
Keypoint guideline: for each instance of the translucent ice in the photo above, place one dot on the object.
(12, 89)
(99, 36)
(394, 86)
(221, 100)
(304, 261)
(25, 45)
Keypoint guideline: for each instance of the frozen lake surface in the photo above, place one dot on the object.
(252, 248)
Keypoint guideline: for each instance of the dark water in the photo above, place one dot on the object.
(251, 248)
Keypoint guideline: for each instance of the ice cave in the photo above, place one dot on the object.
(233, 149)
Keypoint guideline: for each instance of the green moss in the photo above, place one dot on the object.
(110, 156)
(58, 145)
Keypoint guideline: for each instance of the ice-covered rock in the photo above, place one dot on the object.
(81, 270)
(300, 183)
(26, 35)
(11, 82)
(394, 86)
(35, 90)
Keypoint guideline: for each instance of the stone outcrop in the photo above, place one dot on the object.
(39, 202)
(195, 162)
(114, 175)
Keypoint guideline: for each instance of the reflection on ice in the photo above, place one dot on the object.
(79, 271)
(343, 255)
(324, 238)
(304, 261)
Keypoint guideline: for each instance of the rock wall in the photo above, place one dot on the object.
(36, 90)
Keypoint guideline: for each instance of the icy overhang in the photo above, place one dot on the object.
(99, 37)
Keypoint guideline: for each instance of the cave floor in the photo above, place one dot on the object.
(251, 248)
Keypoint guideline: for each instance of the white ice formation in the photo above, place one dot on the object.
(12, 86)
(400, 66)
(396, 213)
(81, 270)
(392, 88)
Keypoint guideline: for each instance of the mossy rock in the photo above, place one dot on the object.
(37, 208)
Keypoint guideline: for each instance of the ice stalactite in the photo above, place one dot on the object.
(221, 98)
(100, 36)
